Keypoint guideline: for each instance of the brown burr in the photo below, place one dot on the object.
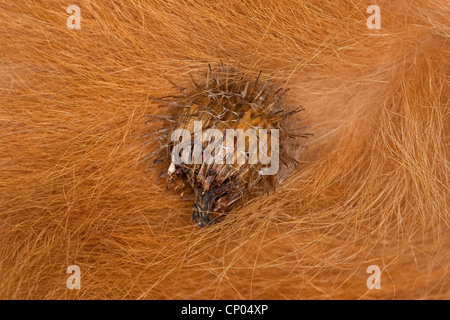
(252, 131)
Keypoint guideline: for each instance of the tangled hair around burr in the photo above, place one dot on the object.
(228, 101)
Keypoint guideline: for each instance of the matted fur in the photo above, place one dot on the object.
(372, 186)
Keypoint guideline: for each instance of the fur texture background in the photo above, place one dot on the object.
(372, 186)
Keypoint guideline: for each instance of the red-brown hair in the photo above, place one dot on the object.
(372, 186)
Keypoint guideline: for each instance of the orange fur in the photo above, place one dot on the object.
(372, 186)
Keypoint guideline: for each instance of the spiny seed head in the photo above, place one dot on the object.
(225, 99)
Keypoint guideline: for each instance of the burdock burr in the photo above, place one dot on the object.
(224, 139)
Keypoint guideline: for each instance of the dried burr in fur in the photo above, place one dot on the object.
(225, 99)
